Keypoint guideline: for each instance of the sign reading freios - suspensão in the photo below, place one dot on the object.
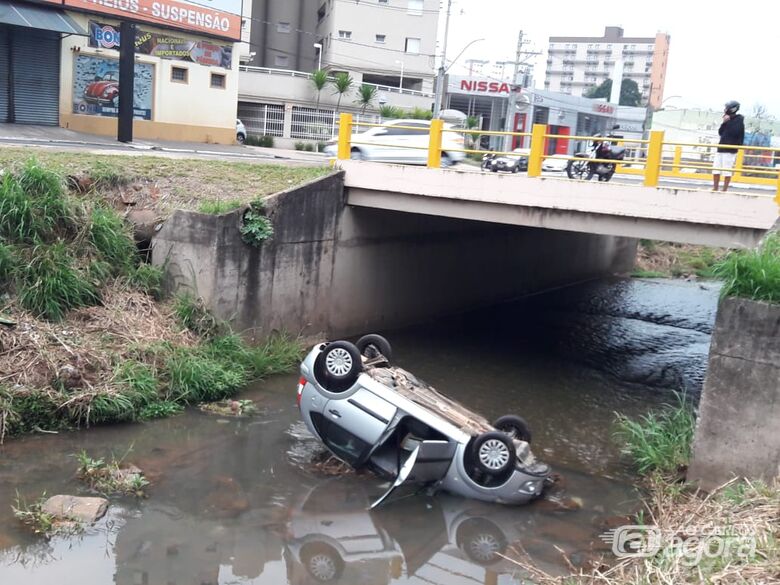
(221, 18)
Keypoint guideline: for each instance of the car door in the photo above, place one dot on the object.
(414, 138)
(353, 425)
(427, 464)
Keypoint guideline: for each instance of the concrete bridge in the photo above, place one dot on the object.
(683, 215)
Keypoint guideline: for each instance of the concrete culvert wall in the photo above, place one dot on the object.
(337, 270)
(738, 432)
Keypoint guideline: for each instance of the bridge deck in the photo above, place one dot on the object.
(672, 214)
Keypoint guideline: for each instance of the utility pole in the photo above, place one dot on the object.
(442, 65)
(515, 87)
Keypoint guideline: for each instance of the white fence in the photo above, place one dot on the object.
(322, 125)
(262, 119)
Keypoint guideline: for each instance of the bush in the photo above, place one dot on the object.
(420, 114)
(256, 228)
(193, 315)
(148, 279)
(7, 265)
(194, 376)
(659, 441)
(50, 285)
(321, 146)
(111, 238)
(752, 274)
(391, 112)
(309, 147)
(264, 141)
(300, 145)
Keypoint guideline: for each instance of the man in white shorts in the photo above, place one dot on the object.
(732, 132)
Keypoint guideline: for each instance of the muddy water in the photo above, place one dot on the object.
(232, 502)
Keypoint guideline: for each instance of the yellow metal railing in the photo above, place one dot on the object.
(658, 159)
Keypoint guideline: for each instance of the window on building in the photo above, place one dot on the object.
(412, 45)
(244, 24)
(345, 35)
(218, 80)
(380, 38)
(179, 74)
(283, 27)
(282, 60)
(415, 7)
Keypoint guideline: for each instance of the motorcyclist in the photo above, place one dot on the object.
(732, 132)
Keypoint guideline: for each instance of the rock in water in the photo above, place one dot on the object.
(87, 510)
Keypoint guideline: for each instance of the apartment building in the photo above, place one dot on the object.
(577, 64)
(282, 33)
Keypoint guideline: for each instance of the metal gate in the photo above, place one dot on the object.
(4, 72)
(29, 76)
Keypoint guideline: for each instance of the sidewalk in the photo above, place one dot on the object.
(11, 134)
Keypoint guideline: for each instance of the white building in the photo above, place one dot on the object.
(388, 44)
(577, 64)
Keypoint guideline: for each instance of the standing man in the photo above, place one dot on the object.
(732, 131)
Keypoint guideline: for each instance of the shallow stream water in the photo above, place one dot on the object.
(233, 501)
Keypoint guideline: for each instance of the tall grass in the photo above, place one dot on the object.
(752, 274)
(217, 206)
(659, 441)
(51, 285)
(111, 238)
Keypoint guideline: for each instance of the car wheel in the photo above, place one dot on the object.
(481, 540)
(446, 160)
(338, 366)
(240, 138)
(494, 453)
(514, 427)
(115, 101)
(494, 169)
(373, 345)
(357, 154)
(322, 562)
(515, 169)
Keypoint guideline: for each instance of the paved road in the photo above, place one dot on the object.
(62, 139)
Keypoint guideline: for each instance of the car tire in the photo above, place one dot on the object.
(322, 562)
(371, 345)
(514, 426)
(481, 540)
(515, 169)
(357, 154)
(338, 366)
(493, 453)
(240, 138)
(446, 160)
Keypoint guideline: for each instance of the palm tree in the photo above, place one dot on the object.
(366, 96)
(343, 84)
(319, 80)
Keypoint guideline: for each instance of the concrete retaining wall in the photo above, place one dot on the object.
(738, 432)
(338, 270)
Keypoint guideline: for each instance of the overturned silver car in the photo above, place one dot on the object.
(370, 414)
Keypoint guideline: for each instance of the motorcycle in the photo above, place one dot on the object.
(588, 165)
(487, 161)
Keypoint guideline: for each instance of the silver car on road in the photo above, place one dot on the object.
(370, 414)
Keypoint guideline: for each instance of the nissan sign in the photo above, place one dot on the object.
(478, 86)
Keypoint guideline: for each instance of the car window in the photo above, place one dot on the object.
(344, 444)
(407, 129)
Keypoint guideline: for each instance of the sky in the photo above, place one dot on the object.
(718, 50)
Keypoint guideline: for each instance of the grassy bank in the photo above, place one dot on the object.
(84, 336)
(753, 274)
(657, 259)
(165, 184)
(730, 535)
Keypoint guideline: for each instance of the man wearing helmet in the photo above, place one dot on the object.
(732, 132)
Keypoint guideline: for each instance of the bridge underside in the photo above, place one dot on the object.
(677, 215)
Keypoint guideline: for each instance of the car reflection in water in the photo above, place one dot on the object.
(332, 537)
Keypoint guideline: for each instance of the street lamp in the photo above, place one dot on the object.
(401, 83)
(318, 46)
(443, 71)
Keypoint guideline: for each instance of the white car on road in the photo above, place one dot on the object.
(402, 141)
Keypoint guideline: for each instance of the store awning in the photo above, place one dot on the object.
(34, 16)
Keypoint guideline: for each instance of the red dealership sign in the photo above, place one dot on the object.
(484, 86)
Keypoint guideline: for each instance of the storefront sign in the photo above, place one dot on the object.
(603, 108)
(478, 86)
(221, 18)
(106, 36)
(96, 87)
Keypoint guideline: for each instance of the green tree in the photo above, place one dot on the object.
(366, 96)
(629, 92)
(319, 80)
(343, 84)
(472, 122)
